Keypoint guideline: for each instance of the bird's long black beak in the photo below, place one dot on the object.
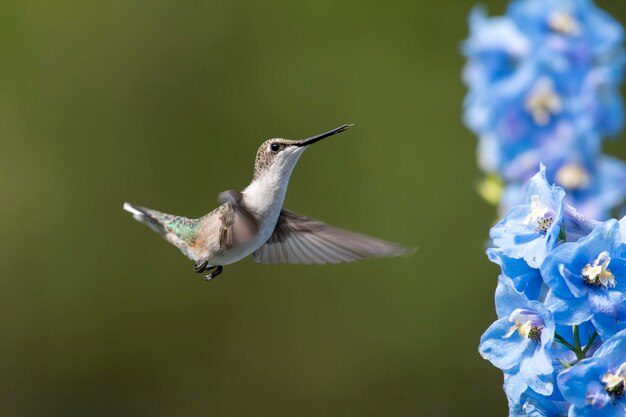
(313, 139)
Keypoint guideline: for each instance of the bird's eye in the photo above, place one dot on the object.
(275, 147)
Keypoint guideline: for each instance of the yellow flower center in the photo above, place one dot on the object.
(573, 176)
(614, 383)
(598, 273)
(564, 22)
(543, 102)
(540, 216)
(524, 325)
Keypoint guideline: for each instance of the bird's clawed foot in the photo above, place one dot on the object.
(213, 272)
(200, 267)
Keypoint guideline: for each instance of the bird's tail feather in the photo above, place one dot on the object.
(152, 218)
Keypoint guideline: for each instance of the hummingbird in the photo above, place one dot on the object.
(254, 222)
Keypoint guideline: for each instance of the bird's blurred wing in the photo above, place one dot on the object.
(238, 226)
(301, 240)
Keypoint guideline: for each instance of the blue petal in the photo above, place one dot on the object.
(551, 196)
(525, 279)
(574, 382)
(576, 224)
(543, 408)
(508, 298)
(568, 310)
(574, 280)
(608, 411)
(514, 387)
(552, 269)
(622, 226)
(503, 352)
(605, 301)
(614, 350)
(608, 325)
(602, 238)
(536, 371)
(618, 267)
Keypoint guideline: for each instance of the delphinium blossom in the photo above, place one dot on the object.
(544, 88)
(560, 336)
(543, 83)
(519, 342)
(595, 385)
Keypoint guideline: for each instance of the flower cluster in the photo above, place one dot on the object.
(560, 337)
(544, 88)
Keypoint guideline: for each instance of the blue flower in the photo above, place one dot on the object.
(526, 120)
(525, 279)
(575, 224)
(519, 342)
(594, 186)
(544, 87)
(531, 230)
(562, 26)
(587, 280)
(544, 90)
(606, 189)
(595, 386)
(532, 404)
(580, 45)
(494, 46)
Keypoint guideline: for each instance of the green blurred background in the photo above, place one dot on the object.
(163, 104)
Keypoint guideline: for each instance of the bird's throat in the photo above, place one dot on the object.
(264, 197)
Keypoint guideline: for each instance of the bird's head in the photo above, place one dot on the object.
(279, 156)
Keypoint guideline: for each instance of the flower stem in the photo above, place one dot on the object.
(580, 354)
(589, 343)
(576, 337)
(564, 342)
(576, 347)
